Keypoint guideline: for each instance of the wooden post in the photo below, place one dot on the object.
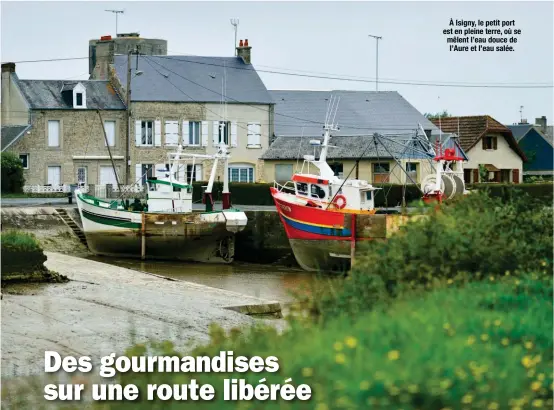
(352, 240)
(143, 237)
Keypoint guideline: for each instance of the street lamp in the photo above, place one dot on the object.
(377, 38)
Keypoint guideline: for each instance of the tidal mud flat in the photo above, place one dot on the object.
(104, 309)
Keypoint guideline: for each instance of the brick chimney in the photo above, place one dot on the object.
(243, 50)
(541, 123)
(7, 70)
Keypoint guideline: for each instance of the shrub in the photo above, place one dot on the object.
(12, 173)
(21, 253)
(477, 235)
(451, 348)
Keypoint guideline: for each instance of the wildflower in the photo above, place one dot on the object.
(307, 372)
(491, 278)
(412, 388)
(351, 342)
(340, 358)
(467, 399)
(493, 406)
(449, 281)
(543, 263)
(393, 391)
(527, 361)
(505, 341)
(393, 355)
(536, 386)
(537, 403)
(446, 326)
(445, 384)
(470, 340)
(365, 385)
(540, 376)
(337, 346)
(484, 337)
(497, 322)
(528, 345)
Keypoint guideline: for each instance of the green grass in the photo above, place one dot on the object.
(19, 241)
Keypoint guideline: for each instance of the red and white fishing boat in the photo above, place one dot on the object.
(325, 217)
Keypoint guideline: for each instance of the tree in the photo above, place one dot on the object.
(12, 173)
(436, 116)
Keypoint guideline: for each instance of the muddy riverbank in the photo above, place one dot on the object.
(104, 308)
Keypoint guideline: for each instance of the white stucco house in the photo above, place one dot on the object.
(489, 144)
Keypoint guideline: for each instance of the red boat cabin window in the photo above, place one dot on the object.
(317, 192)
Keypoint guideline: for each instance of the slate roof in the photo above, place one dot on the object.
(521, 131)
(471, 129)
(292, 148)
(359, 113)
(47, 94)
(192, 79)
(11, 133)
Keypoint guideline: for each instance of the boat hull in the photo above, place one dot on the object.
(196, 237)
(325, 240)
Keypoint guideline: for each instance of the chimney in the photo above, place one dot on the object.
(523, 121)
(243, 50)
(7, 70)
(540, 122)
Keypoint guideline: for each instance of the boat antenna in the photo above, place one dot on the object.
(299, 148)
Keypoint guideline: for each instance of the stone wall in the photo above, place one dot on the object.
(80, 134)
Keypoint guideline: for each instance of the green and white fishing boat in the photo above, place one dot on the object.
(169, 228)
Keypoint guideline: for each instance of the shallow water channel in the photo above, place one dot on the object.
(270, 282)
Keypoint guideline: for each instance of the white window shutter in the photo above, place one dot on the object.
(215, 132)
(204, 133)
(258, 132)
(138, 133)
(198, 172)
(157, 133)
(234, 142)
(185, 133)
(138, 174)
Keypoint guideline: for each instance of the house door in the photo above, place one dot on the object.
(467, 176)
(107, 175)
(55, 175)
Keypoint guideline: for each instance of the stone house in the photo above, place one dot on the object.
(56, 129)
(489, 145)
(179, 100)
(299, 119)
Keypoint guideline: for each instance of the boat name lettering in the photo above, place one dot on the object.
(285, 208)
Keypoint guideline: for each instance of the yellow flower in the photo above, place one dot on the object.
(351, 342)
(393, 355)
(467, 399)
(505, 341)
(307, 372)
(446, 326)
(449, 281)
(340, 358)
(540, 376)
(543, 263)
(536, 386)
(445, 384)
(528, 345)
(493, 406)
(337, 346)
(497, 322)
(484, 337)
(537, 403)
(470, 340)
(393, 391)
(527, 361)
(365, 385)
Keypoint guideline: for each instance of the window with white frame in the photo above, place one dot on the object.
(24, 158)
(147, 172)
(53, 133)
(81, 176)
(147, 135)
(194, 171)
(194, 132)
(79, 99)
(254, 134)
(241, 173)
(224, 132)
(171, 132)
(54, 175)
(109, 127)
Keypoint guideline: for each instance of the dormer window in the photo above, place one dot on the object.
(79, 96)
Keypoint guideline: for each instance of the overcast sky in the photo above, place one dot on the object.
(322, 37)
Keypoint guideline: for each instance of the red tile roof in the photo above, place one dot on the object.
(471, 129)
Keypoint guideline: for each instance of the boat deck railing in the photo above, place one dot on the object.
(289, 185)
